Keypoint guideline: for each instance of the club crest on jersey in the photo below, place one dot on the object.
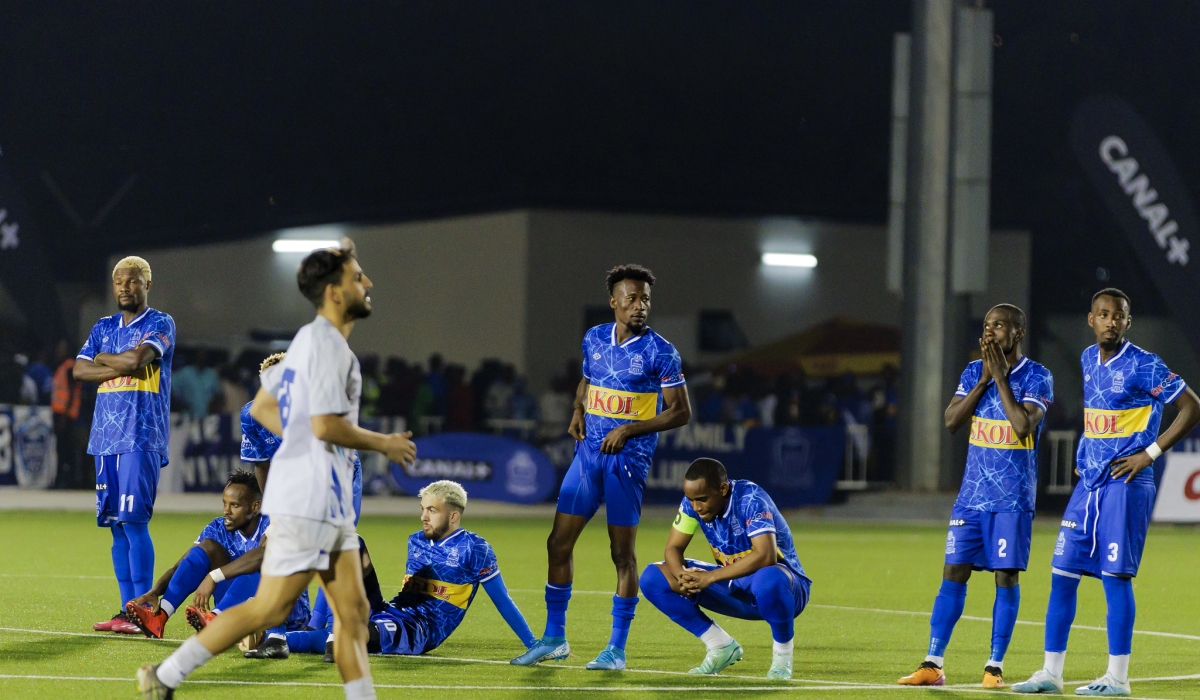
(1118, 384)
(950, 543)
(1061, 545)
(635, 364)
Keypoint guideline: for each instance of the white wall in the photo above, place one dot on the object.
(454, 286)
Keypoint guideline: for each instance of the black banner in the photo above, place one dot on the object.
(1144, 191)
(24, 269)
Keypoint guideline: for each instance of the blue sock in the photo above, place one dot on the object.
(187, 577)
(241, 589)
(947, 608)
(772, 591)
(682, 611)
(1121, 611)
(120, 560)
(307, 641)
(321, 617)
(557, 597)
(622, 614)
(141, 556)
(1060, 611)
(1004, 619)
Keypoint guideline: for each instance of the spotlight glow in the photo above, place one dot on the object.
(301, 245)
(789, 260)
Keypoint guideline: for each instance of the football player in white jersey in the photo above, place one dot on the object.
(312, 402)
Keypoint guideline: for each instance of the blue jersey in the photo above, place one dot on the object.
(1001, 474)
(625, 384)
(235, 543)
(1122, 408)
(442, 578)
(133, 414)
(749, 513)
(258, 443)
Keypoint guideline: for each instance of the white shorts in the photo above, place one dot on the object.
(297, 544)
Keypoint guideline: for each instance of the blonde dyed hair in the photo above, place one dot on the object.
(133, 262)
(451, 492)
(271, 361)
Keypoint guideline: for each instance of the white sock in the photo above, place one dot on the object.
(276, 635)
(166, 607)
(783, 647)
(1118, 667)
(715, 637)
(997, 664)
(939, 660)
(1055, 660)
(360, 689)
(187, 658)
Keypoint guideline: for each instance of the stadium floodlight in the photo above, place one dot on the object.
(301, 245)
(789, 260)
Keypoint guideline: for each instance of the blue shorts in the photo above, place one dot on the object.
(1104, 531)
(734, 599)
(402, 631)
(594, 478)
(989, 541)
(126, 486)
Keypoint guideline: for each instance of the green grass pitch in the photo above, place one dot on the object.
(867, 623)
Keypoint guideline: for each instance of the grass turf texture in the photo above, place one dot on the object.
(56, 577)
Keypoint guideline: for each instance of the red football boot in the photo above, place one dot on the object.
(198, 618)
(149, 623)
(107, 625)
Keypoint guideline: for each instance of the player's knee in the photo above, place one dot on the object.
(653, 580)
(558, 548)
(770, 582)
(624, 557)
(956, 573)
(210, 549)
(1007, 578)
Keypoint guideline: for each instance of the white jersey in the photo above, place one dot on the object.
(311, 478)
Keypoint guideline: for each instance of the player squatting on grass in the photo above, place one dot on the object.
(312, 403)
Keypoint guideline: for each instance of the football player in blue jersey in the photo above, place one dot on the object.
(632, 389)
(228, 552)
(258, 443)
(1104, 528)
(757, 575)
(129, 355)
(1003, 396)
(446, 567)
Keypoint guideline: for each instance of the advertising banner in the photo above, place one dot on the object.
(1179, 490)
(28, 451)
(488, 466)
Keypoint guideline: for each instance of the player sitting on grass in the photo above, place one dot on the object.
(446, 566)
(227, 552)
(759, 576)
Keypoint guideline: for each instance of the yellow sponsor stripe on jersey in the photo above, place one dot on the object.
(624, 405)
(145, 379)
(997, 434)
(1100, 423)
(456, 594)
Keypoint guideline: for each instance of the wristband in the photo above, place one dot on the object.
(216, 575)
(1154, 451)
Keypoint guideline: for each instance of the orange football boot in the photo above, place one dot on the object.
(993, 677)
(927, 673)
(198, 618)
(150, 623)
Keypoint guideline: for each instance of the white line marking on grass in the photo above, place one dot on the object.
(97, 635)
(577, 688)
(101, 578)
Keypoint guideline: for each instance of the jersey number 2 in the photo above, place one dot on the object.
(1003, 548)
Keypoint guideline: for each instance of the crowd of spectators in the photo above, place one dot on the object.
(435, 396)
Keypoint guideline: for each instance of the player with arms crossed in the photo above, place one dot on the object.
(313, 404)
(1004, 397)
(129, 354)
(1104, 527)
(632, 389)
(758, 575)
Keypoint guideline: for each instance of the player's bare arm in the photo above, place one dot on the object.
(334, 428)
(762, 553)
(130, 361)
(677, 411)
(1024, 417)
(673, 561)
(577, 427)
(961, 408)
(265, 410)
(1185, 420)
(89, 371)
(248, 563)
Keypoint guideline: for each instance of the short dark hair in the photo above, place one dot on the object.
(1014, 312)
(245, 478)
(320, 269)
(628, 272)
(712, 471)
(1111, 292)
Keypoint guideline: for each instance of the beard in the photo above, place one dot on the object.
(437, 533)
(128, 305)
(359, 309)
(1110, 344)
